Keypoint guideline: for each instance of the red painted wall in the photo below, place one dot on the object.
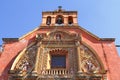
(105, 50)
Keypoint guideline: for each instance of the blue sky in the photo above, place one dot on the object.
(101, 17)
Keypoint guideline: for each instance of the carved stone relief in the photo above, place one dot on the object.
(60, 35)
(72, 58)
(89, 63)
(27, 61)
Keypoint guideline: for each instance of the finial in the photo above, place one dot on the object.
(59, 7)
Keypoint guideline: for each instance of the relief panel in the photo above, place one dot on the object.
(27, 61)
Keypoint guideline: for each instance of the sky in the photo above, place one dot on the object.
(100, 17)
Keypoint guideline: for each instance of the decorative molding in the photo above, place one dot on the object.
(7, 40)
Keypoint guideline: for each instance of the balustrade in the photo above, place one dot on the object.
(55, 72)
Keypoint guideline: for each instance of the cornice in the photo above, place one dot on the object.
(10, 39)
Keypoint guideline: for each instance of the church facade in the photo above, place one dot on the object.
(59, 49)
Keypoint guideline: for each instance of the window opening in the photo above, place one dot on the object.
(58, 61)
(48, 21)
(70, 20)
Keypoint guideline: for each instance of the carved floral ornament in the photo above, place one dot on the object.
(27, 61)
(58, 52)
(89, 62)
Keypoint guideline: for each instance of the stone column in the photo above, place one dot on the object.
(37, 57)
(53, 20)
(65, 20)
(78, 55)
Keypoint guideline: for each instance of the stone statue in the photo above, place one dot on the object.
(25, 66)
(88, 67)
(48, 21)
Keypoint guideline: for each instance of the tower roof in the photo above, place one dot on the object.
(59, 10)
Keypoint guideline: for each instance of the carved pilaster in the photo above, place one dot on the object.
(37, 57)
(78, 55)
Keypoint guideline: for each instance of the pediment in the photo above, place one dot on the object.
(64, 35)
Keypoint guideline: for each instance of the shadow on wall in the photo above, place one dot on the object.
(118, 50)
(1, 49)
(4, 74)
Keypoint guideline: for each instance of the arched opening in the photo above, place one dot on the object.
(48, 21)
(70, 20)
(59, 19)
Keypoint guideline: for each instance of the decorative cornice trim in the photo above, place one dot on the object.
(29, 33)
(10, 39)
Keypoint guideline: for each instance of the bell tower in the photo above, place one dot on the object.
(59, 17)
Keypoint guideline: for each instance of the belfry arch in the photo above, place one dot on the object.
(59, 19)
